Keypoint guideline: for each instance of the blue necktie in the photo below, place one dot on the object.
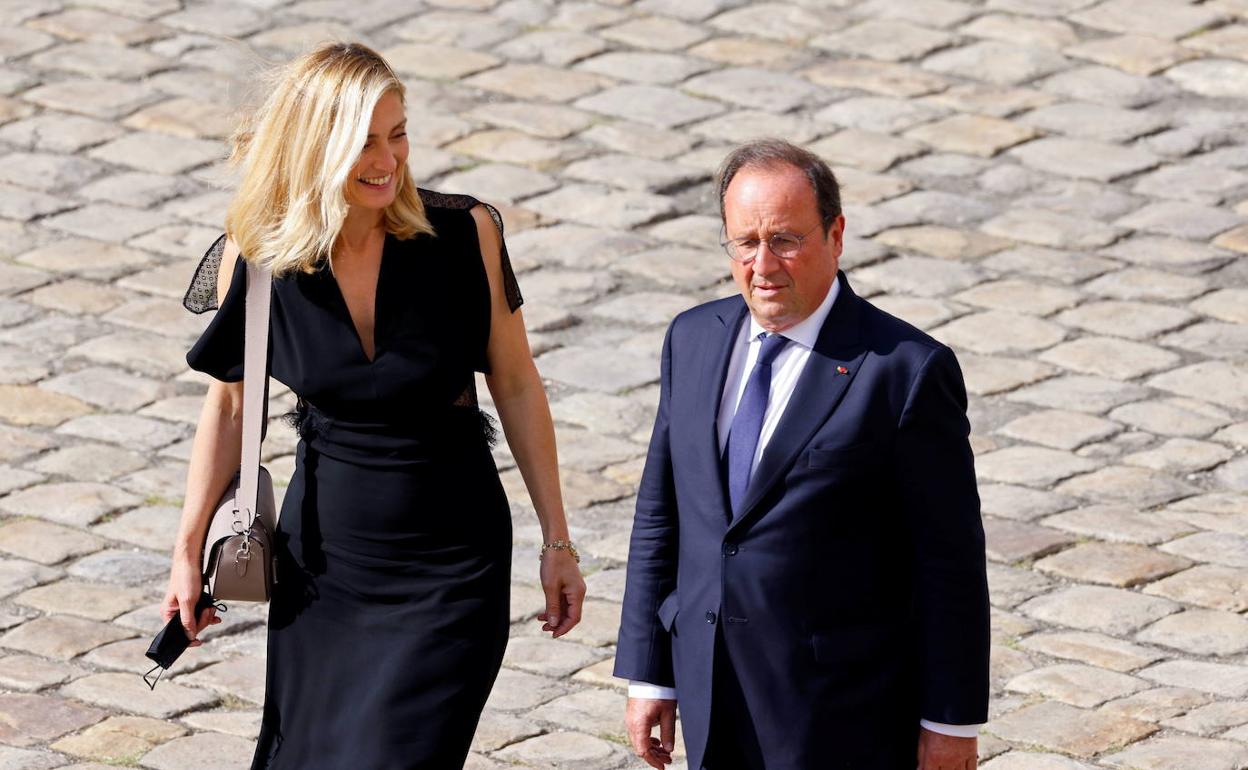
(747, 423)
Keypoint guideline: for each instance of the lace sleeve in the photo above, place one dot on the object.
(511, 287)
(201, 295)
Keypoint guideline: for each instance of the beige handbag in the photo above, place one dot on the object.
(239, 559)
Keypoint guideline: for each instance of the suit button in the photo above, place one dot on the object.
(730, 549)
(710, 617)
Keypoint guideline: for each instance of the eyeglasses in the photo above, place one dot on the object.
(783, 245)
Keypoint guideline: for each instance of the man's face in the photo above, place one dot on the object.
(763, 201)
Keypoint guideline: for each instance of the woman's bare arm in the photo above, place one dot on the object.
(520, 399)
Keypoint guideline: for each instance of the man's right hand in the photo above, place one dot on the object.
(640, 717)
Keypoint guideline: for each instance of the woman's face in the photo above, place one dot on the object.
(376, 173)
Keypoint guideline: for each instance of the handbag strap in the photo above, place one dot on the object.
(255, 380)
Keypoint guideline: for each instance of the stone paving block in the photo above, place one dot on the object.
(1118, 524)
(549, 658)
(1080, 199)
(73, 503)
(29, 673)
(453, 27)
(1091, 648)
(972, 134)
(1083, 159)
(1181, 455)
(1080, 393)
(58, 132)
(1220, 382)
(1028, 760)
(999, 331)
(1093, 121)
(1138, 283)
(632, 173)
(87, 258)
(986, 375)
(884, 78)
(1111, 611)
(244, 724)
(1156, 18)
(755, 88)
(1015, 502)
(94, 98)
(565, 750)
(865, 150)
(437, 62)
(777, 21)
(1197, 184)
(996, 62)
(1169, 253)
(552, 46)
(1109, 357)
(48, 172)
(185, 116)
(1210, 719)
(92, 24)
(1010, 586)
(1175, 752)
(101, 60)
(924, 276)
(1106, 85)
(519, 690)
(27, 720)
(923, 313)
(653, 105)
(1200, 632)
(1132, 53)
(105, 387)
(950, 243)
(591, 711)
(675, 267)
(536, 81)
(1181, 219)
(889, 40)
(1060, 429)
(1076, 684)
(30, 405)
(1134, 320)
(241, 677)
(1225, 304)
(1206, 585)
(202, 750)
(88, 600)
(1157, 704)
(1011, 541)
(1113, 564)
(127, 692)
(1067, 729)
(44, 542)
(506, 146)
(1031, 32)
(644, 67)
(1222, 548)
(1216, 78)
(1211, 338)
(655, 33)
(130, 567)
(77, 297)
(1049, 228)
(119, 739)
(881, 114)
(17, 575)
(498, 729)
(1218, 678)
(1118, 484)
(126, 430)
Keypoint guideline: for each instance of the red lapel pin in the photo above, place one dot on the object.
(842, 370)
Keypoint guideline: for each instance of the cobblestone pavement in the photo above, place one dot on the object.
(1057, 188)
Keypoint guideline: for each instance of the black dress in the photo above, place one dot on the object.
(390, 615)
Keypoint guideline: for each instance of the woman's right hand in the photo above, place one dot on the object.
(185, 586)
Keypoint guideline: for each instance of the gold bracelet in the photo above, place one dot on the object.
(560, 545)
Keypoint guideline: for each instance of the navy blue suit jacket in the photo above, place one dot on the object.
(850, 585)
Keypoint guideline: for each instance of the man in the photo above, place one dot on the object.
(806, 572)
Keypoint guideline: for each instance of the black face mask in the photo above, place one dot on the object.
(172, 640)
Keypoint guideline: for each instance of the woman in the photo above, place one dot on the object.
(390, 615)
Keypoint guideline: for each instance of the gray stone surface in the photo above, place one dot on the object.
(1055, 188)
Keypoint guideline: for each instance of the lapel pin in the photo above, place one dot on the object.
(842, 370)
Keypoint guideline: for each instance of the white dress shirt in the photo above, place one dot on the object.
(785, 371)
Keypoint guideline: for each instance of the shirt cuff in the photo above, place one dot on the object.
(653, 691)
(957, 731)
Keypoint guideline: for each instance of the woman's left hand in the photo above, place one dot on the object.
(565, 592)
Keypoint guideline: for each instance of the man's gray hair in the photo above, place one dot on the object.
(777, 152)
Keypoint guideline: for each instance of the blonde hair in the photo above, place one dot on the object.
(296, 153)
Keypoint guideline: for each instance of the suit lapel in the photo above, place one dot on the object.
(833, 362)
(716, 355)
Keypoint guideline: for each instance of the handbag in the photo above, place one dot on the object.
(239, 559)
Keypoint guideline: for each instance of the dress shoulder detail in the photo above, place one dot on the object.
(201, 294)
(434, 199)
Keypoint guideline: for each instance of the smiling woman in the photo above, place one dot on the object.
(390, 612)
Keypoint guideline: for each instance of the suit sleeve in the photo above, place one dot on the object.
(936, 472)
(644, 651)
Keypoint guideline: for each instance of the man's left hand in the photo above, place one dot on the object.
(946, 752)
